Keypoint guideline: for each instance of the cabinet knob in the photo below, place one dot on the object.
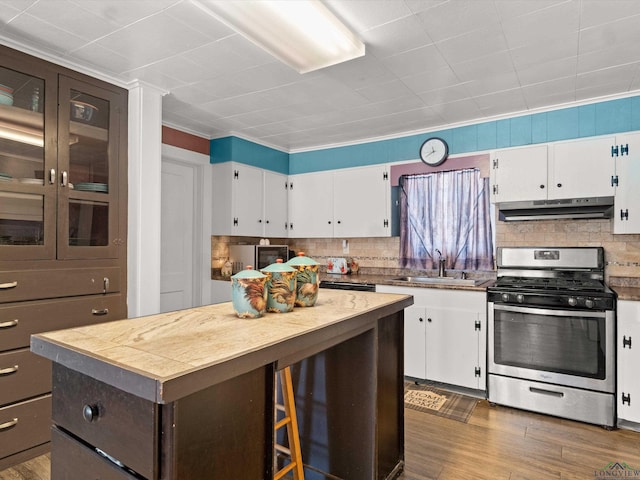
(559, 185)
(90, 413)
(429, 319)
(421, 319)
(542, 186)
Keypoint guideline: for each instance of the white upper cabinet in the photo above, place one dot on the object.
(581, 168)
(565, 170)
(353, 202)
(519, 174)
(248, 201)
(626, 217)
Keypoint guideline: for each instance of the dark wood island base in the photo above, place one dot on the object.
(190, 394)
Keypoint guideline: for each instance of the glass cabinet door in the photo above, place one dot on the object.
(87, 158)
(27, 164)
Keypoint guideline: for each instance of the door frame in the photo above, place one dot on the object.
(202, 210)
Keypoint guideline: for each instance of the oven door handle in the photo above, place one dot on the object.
(550, 393)
(548, 311)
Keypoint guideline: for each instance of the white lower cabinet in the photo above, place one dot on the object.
(628, 355)
(445, 335)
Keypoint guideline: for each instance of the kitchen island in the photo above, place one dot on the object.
(190, 394)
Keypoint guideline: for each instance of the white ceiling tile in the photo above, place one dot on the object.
(597, 13)
(545, 50)
(413, 62)
(396, 37)
(549, 23)
(509, 9)
(493, 83)
(541, 72)
(501, 102)
(452, 93)
(431, 80)
(186, 13)
(608, 76)
(35, 31)
(385, 91)
(362, 15)
(123, 12)
(610, 57)
(460, 111)
(610, 35)
(484, 67)
(560, 90)
(479, 43)
(104, 60)
(455, 18)
(359, 72)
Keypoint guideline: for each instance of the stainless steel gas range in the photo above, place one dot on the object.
(551, 329)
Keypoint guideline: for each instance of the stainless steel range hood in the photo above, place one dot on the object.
(574, 208)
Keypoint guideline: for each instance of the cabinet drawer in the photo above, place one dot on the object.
(20, 285)
(18, 321)
(25, 425)
(23, 375)
(71, 460)
(118, 423)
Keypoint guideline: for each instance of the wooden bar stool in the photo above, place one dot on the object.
(289, 420)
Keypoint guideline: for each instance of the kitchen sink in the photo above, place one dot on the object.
(441, 280)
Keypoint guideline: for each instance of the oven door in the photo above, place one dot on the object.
(553, 346)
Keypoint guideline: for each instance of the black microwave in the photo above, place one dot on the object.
(258, 256)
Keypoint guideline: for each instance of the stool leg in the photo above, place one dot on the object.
(291, 421)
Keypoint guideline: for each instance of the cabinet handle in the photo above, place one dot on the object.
(542, 186)
(9, 424)
(9, 324)
(64, 179)
(8, 370)
(7, 286)
(105, 284)
(96, 312)
(52, 176)
(429, 319)
(559, 185)
(90, 412)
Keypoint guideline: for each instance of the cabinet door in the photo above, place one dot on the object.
(311, 205)
(361, 205)
(248, 201)
(275, 204)
(28, 100)
(519, 174)
(89, 122)
(415, 342)
(452, 346)
(626, 217)
(628, 360)
(582, 168)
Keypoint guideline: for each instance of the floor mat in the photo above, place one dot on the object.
(442, 403)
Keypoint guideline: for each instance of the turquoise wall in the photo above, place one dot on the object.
(613, 116)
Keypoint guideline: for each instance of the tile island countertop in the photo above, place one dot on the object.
(167, 356)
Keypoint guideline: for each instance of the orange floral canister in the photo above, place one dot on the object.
(281, 287)
(307, 280)
(248, 293)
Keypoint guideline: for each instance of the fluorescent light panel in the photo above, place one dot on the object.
(304, 34)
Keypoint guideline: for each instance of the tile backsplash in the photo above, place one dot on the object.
(622, 252)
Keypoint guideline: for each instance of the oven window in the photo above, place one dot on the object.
(568, 345)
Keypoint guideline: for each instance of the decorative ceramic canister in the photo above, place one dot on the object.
(307, 280)
(281, 287)
(248, 293)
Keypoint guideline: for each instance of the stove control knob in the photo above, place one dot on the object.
(520, 298)
(589, 303)
(505, 297)
(572, 301)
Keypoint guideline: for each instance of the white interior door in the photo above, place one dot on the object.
(177, 236)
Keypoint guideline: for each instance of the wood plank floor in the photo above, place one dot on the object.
(498, 443)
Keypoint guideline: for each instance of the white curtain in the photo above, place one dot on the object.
(449, 212)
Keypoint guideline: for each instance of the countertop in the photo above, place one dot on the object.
(627, 288)
(385, 279)
(167, 356)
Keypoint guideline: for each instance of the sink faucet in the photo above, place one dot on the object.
(441, 263)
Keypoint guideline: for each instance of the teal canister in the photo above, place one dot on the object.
(280, 286)
(248, 293)
(307, 280)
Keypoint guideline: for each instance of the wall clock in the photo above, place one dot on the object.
(434, 151)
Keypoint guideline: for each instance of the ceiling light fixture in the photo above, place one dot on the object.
(304, 34)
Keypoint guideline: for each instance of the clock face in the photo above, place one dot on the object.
(434, 151)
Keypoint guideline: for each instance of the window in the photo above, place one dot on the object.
(447, 212)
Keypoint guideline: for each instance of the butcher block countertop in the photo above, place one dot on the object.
(167, 356)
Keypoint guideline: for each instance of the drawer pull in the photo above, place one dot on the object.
(542, 391)
(9, 324)
(9, 424)
(8, 370)
(7, 286)
(90, 413)
(104, 311)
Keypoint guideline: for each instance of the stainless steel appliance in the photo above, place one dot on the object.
(551, 329)
(258, 256)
